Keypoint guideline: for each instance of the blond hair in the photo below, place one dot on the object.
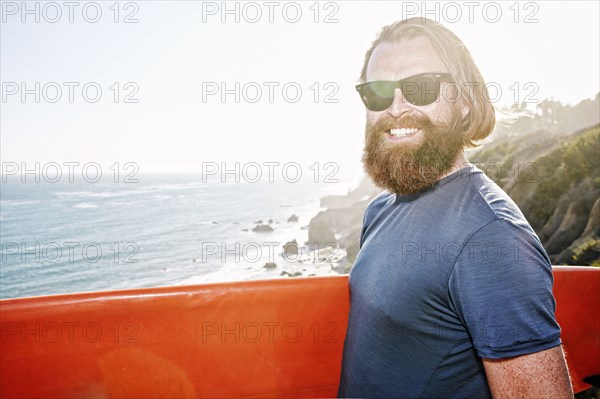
(480, 120)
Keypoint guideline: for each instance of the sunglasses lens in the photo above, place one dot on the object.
(421, 90)
(378, 96)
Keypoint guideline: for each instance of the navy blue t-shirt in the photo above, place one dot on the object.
(444, 278)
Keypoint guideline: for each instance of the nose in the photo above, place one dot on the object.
(399, 105)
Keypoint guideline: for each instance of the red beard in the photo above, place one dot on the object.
(408, 168)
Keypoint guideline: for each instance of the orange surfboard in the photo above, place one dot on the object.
(272, 338)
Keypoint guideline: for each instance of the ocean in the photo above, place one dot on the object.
(162, 230)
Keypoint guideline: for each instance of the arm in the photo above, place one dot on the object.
(536, 375)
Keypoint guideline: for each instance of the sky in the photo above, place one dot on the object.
(172, 86)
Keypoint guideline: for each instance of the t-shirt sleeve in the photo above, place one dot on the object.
(501, 289)
(364, 227)
(372, 208)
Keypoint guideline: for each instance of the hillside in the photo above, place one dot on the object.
(547, 161)
(556, 183)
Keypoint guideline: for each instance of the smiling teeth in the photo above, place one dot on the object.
(403, 131)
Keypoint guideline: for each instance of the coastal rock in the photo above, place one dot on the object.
(290, 248)
(295, 274)
(320, 231)
(270, 265)
(352, 251)
(270, 221)
(292, 218)
(259, 221)
(345, 221)
(262, 228)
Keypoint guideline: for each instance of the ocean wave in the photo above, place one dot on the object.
(17, 202)
(90, 194)
(85, 205)
(121, 192)
(175, 186)
(123, 203)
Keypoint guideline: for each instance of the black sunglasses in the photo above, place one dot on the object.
(421, 89)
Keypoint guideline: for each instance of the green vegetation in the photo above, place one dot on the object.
(587, 253)
(549, 163)
(563, 170)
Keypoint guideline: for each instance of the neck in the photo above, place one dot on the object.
(458, 163)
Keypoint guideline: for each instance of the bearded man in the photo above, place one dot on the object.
(451, 292)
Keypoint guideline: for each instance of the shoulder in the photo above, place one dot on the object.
(377, 204)
(497, 232)
(505, 241)
(485, 195)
